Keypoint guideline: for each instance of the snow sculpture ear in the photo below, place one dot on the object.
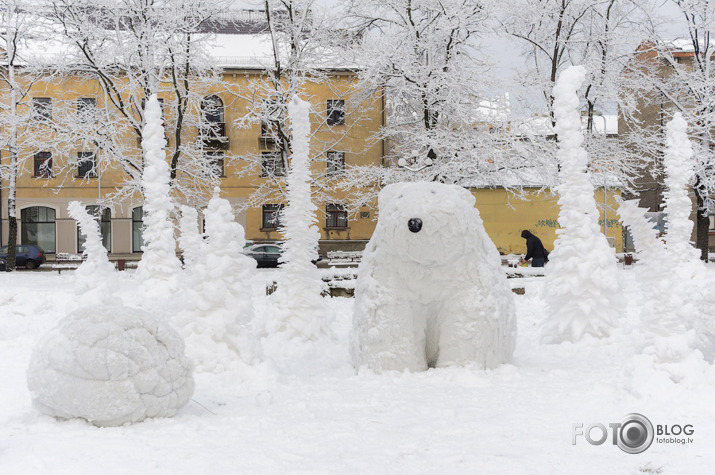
(465, 194)
(388, 194)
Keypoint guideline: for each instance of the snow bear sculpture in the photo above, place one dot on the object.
(430, 291)
(110, 366)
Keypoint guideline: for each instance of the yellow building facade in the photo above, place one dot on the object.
(44, 193)
(49, 175)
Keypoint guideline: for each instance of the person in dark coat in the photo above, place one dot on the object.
(534, 250)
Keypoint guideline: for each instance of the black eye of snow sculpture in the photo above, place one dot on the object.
(414, 225)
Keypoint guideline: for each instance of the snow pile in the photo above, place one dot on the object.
(159, 263)
(430, 288)
(581, 290)
(95, 275)
(218, 311)
(298, 310)
(110, 366)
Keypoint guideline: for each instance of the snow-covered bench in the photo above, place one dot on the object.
(344, 257)
(67, 261)
(340, 282)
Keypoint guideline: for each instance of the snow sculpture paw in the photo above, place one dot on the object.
(430, 289)
(110, 366)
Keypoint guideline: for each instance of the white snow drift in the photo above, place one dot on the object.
(430, 290)
(110, 366)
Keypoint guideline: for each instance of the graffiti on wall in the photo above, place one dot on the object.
(547, 223)
(610, 223)
(553, 223)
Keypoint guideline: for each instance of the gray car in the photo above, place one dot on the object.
(266, 255)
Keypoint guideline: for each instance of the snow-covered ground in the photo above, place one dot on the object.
(313, 414)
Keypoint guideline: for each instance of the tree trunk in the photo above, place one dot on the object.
(702, 226)
(11, 243)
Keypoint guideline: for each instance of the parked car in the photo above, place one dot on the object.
(28, 255)
(266, 255)
(3, 265)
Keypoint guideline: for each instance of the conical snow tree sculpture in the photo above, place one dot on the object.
(217, 317)
(159, 263)
(679, 169)
(581, 288)
(298, 310)
(94, 277)
(670, 271)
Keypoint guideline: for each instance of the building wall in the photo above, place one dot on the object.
(506, 216)
(238, 184)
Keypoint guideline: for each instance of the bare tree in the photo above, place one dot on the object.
(669, 75)
(21, 71)
(132, 49)
(685, 85)
(304, 51)
(600, 35)
(442, 118)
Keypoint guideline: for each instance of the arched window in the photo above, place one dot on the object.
(137, 229)
(38, 227)
(105, 227)
(212, 109)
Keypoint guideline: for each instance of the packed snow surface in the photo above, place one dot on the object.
(314, 414)
(110, 365)
(430, 289)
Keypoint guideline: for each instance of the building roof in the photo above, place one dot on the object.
(541, 126)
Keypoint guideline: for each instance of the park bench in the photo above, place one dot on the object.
(67, 261)
(344, 257)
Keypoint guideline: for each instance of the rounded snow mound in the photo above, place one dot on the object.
(110, 366)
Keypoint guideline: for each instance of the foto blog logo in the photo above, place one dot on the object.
(633, 434)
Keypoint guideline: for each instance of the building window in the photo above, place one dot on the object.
(43, 165)
(336, 216)
(215, 163)
(212, 109)
(336, 163)
(86, 165)
(38, 227)
(42, 109)
(336, 112)
(86, 109)
(104, 218)
(271, 216)
(272, 164)
(137, 229)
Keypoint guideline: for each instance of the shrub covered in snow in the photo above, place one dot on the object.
(581, 288)
(110, 366)
(430, 289)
